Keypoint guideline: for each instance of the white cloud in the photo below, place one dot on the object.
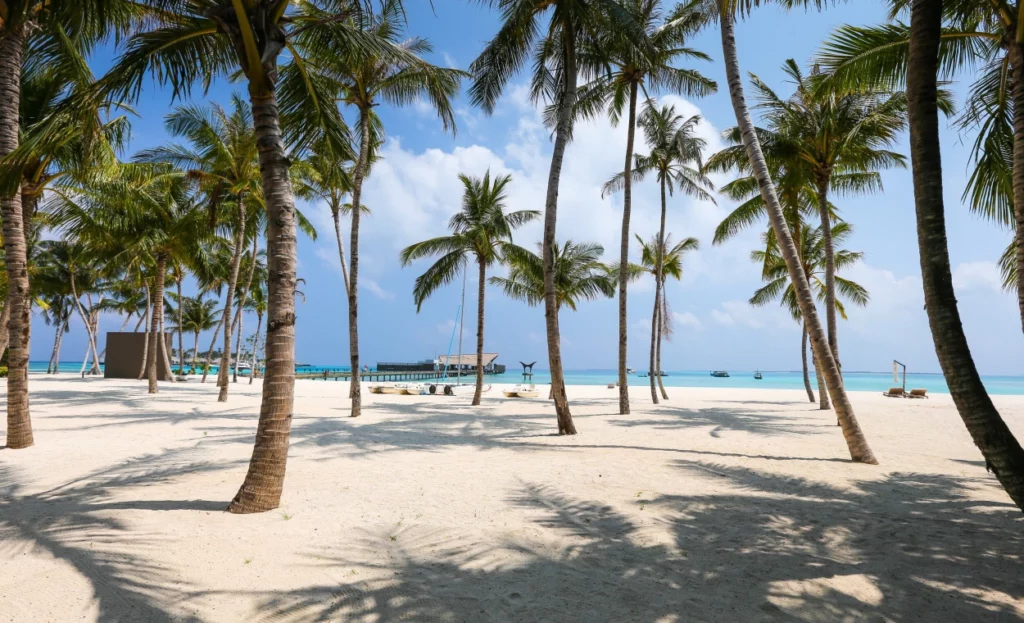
(372, 286)
(977, 275)
(686, 319)
(738, 313)
(329, 259)
(449, 61)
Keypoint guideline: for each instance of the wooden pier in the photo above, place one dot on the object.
(328, 374)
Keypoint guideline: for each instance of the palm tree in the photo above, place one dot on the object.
(985, 40)
(579, 275)
(555, 47)
(366, 80)
(660, 259)
(223, 156)
(481, 230)
(813, 256)
(856, 442)
(258, 304)
(624, 66)
(842, 139)
(57, 314)
(198, 314)
(1003, 453)
(675, 159)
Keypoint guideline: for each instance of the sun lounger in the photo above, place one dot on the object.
(918, 393)
(895, 392)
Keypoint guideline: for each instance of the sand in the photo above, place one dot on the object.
(719, 505)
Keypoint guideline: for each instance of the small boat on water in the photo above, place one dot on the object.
(630, 371)
(722, 374)
(522, 391)
(757, 375)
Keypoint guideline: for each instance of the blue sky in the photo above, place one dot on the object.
(414, 190)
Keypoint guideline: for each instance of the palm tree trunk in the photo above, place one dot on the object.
(1003, 454)
(181, 338)
(255, 346)
(264, 481)
(481, 289)
(238, 345)
(195, 351)
(5, 321)
(85, 322)
(1017, 69)
(155, 335)
(94, 324)
(19, 423)
(562, 129)
(855, 440)
(242, 301)
(209, 351)
(145, 341)
(353, 274)
(655, 323)
(661, 328)
(830, 272)
(60, 340)
(56, 341)
(336, 214)
(236, 260)
(660, 283)
(165, 357)
(627, 204)
(803, 358)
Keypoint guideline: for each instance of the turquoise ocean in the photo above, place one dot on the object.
(855, 381)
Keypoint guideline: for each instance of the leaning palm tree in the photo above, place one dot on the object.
(222, 155)
(480, 230)
(192, 43)
(550, 30)
(661, 259)
(725, 12)
(1003, 453)
(813, 255)
(366, 80)
(675, 159)
(579, 275)
(624, 66)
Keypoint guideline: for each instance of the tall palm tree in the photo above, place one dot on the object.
(842, 139)
(551, 31)
(675, 158)
(36, 35)
(198, 314)
(579, 275)
(660, 259)
(985, 40)
(57, 314)
(258, 304)
(222, 154)
(366, 80)
(813, 256)
(480, 230)
(190, 43)
(1003, 453)
(624, 66)
(856, 442)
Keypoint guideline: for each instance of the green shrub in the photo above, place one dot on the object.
(3, 372)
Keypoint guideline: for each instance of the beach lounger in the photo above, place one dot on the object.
(918, 393)
(895, 392)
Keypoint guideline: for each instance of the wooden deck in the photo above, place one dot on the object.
(345, 375)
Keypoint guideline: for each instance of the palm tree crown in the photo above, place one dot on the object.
(579, 275)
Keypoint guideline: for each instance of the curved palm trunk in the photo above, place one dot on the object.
(60, 341)
(165, 356)
(255, 347)
(94, 327)
(19, 423)
(353, 275)
(803, 358)
(241, 305)
(336, 215)
(1017, 69)
(236, 260)
(855, 440)
(830, 272)
(565, 423)
(181, 339)
(155, 335)
(1003, 454)
(87, 323)
(50, 367)
(264, 482)
(655, 323)
(661, 330)
(195, 351)
(481, 289)
(627, 204)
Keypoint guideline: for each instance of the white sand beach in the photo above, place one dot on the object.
(719, 505)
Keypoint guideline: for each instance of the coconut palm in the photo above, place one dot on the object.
(198, 314)
(480, 231)
(1003, 453)
(675, 158)
(812, 253)
(661, 259)
(258, 304)
(551, 31)
(725, 12)
(624, 66)
(366, 80)
(57, 313)
(35, 36)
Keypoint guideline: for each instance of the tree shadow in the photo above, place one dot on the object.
(905, 547)
(73, 523)
(722, 420)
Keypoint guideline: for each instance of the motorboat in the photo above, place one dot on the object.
(757, 375)
(722, 374)
(630, 371)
